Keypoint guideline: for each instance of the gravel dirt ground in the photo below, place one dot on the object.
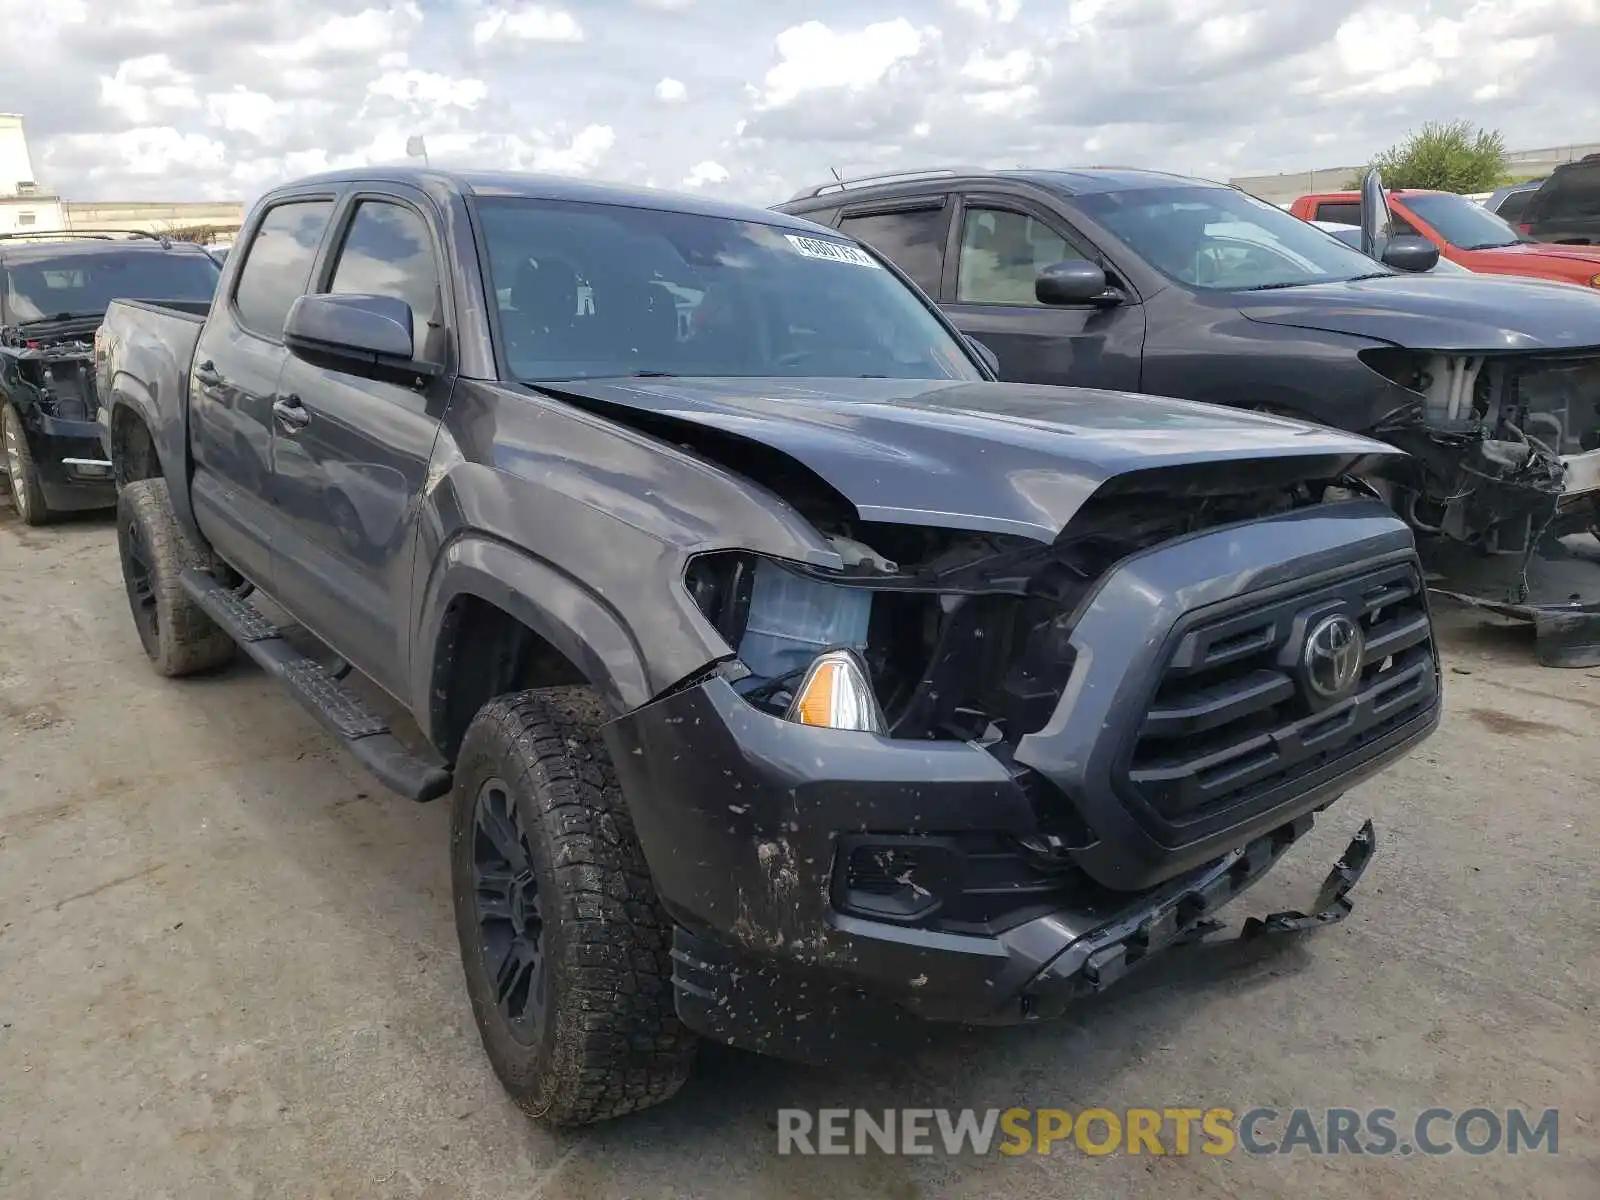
(227, 966)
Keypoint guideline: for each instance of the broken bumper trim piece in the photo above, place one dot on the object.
(1186, 920)
(1333, 901)
(775, 1009)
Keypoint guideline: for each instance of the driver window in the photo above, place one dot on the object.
(1002, 254)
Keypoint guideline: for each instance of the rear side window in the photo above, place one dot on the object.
(1513, 205)
(912, 239)
(1569, 192)
(1339, 212)
(277, 264)
(389, 252)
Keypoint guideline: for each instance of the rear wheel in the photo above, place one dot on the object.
(26, 494)
(175, 631)
(564, 943)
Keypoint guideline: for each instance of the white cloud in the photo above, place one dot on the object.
(365, 32)
(173, 98)
(241, 110)
(1003, 11)
(527, 23)
(813, 57)
(703, 173)
(142, 89)
(427, 89)
(578, 156)
(1006, 71)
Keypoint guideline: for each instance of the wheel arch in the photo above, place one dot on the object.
(496, 620)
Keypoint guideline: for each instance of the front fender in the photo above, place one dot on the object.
(1312, 375)
(573, 619)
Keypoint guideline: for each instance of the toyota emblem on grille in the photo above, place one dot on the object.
(1333, 653)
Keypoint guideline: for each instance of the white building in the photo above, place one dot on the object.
(24, 205)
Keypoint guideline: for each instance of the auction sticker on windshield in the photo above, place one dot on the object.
(832, 251)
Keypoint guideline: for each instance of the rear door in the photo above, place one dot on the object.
(234, 380)
(999, 245)
(350, 454)
(910, 233)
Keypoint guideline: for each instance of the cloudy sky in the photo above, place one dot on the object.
(196, 99)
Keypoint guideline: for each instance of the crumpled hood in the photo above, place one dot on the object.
(1451, 313)
(1000, 457)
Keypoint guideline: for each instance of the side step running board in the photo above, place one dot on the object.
(363, 732)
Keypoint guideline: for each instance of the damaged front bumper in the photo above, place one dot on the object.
(775, 848)
(1047, 963)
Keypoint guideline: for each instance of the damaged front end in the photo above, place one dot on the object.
(47, 376)
(971, 776)
(1504, 487)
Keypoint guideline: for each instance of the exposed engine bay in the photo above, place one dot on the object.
(55, 373)
(1504, 490)
(963, 636)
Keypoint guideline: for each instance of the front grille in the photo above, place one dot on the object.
(1235, 719)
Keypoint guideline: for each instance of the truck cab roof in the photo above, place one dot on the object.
(533, 186)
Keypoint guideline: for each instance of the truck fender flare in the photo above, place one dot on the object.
(169, 440)
(575, 621)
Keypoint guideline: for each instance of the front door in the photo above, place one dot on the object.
(350, 454)
(1000, 246)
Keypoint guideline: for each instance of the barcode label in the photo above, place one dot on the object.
(832, 251)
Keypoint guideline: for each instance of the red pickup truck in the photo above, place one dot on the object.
(1465, 232)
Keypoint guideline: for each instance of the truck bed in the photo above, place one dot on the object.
(143, 353)
(147, 347)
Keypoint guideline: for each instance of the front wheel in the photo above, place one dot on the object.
(175, 631)
(26, 494)
(564, 943)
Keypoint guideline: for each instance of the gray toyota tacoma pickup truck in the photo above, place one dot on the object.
(791, 679)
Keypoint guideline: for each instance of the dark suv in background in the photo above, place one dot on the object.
(1566, 208)
(54, 289)
(1144, 281)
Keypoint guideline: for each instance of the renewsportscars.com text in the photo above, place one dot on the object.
(1168, 1131)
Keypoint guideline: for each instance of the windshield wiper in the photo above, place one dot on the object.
(1494, 245)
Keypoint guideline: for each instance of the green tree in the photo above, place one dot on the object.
(1447, 157)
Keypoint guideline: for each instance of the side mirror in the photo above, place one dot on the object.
(990, 358)
(1076, 281)
(1409, 253)
(362, 335)
(1377, 222)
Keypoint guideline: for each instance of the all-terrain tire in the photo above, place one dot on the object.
(17, 459)
(175, 631)
(607, 1040)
